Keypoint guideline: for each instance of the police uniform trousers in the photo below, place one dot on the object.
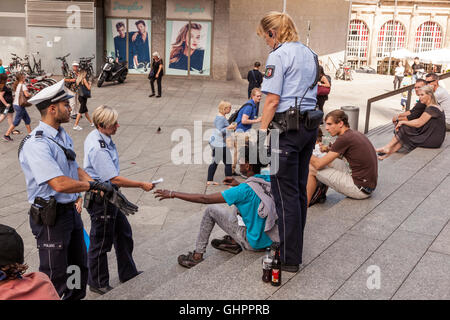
(106, 230)
(61, 246)
(289, 190)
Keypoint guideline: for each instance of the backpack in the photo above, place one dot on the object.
(235, 114)
(329, 79)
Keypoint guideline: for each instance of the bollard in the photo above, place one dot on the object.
(353, 116)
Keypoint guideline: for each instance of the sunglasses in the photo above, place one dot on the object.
(428, 82)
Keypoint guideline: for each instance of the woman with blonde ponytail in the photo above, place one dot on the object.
(289, 81)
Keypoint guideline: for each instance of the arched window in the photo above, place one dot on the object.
(358, 39)
(391, 37)
(428, 37)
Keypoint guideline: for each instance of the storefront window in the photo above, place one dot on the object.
(128, 33)
(188, 48)
(188, 37)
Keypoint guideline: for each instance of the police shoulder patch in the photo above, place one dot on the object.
(102, 144)
(270, 70)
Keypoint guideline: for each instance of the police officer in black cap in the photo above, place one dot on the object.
(54, 182)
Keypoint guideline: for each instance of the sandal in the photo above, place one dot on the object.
(226, 244)
(188, 260)
(16, 132)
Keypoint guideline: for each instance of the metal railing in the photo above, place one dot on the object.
(393, 93)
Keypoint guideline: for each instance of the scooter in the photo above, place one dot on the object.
(112, 71)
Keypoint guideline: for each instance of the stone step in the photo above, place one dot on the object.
(223, 277)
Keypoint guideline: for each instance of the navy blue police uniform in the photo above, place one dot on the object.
(109, 225)
(291, 72)
(42, 158)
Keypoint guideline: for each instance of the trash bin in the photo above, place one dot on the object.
(353, 116)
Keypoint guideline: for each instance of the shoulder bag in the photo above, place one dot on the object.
(23, 100)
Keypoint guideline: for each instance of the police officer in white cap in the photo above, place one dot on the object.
(54, 182)
(71, 85)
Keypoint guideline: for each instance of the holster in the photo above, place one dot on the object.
(290, 120)
(44, 211)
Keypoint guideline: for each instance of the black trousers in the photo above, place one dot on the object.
(288, 186)
(321, 101)
(220, 154)
(61, 246)
(152, 84)
(106, 230)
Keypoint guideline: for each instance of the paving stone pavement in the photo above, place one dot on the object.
(403, 229)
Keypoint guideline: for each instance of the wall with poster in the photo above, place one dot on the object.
(128, 33)
(188, 37)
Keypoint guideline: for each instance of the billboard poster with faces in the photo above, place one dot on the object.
(188, 48)
(139, 57)
(116, 38)
(200, 43)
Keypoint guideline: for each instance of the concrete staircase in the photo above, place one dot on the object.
(403, 229)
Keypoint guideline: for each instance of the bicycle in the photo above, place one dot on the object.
(37, 67)
(65, 66)
(344, 72)
(86, 64)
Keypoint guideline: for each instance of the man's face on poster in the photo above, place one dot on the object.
(141, 28)
(121, 31)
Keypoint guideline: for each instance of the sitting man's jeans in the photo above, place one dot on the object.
(227, 220)
(337, 176)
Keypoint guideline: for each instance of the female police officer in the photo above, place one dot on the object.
(290, 77)
(54, 181)
(108, 224)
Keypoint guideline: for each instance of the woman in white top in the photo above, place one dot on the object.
(399, 75)
(21, 112)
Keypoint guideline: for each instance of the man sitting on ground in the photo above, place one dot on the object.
(253, 229)
(441, 95)
(418, 108)
(333, 172)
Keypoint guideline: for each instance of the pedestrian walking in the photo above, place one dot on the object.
(217, 141)
(84, 93)
(156, 73)
(290, 83)
(109, 224)
(54, 182)
(71, 85)
(6, 101)
(254, 78)
(21, 113)
(399, 75)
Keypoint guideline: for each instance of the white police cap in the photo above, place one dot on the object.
(50, 95)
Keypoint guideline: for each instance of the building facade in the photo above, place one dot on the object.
(379, 27)
(196, 38)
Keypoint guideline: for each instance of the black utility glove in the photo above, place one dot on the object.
(106, 187)
(120, 201)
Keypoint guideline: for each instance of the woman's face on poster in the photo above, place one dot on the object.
(195, 38)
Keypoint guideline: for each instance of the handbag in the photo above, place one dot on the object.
(83, 91)
(323, 91)
(23, 100)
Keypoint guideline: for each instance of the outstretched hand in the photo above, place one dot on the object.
(163, 194)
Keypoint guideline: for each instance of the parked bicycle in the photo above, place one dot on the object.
(65, 66)
(344, 72)
(86, 64)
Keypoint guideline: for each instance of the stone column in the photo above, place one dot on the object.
(159, 27)
(220, 45)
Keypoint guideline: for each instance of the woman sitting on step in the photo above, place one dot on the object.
(428, 131)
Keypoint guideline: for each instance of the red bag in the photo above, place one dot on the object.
(323, 91)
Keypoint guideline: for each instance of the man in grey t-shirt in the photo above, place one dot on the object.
(442, 96)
